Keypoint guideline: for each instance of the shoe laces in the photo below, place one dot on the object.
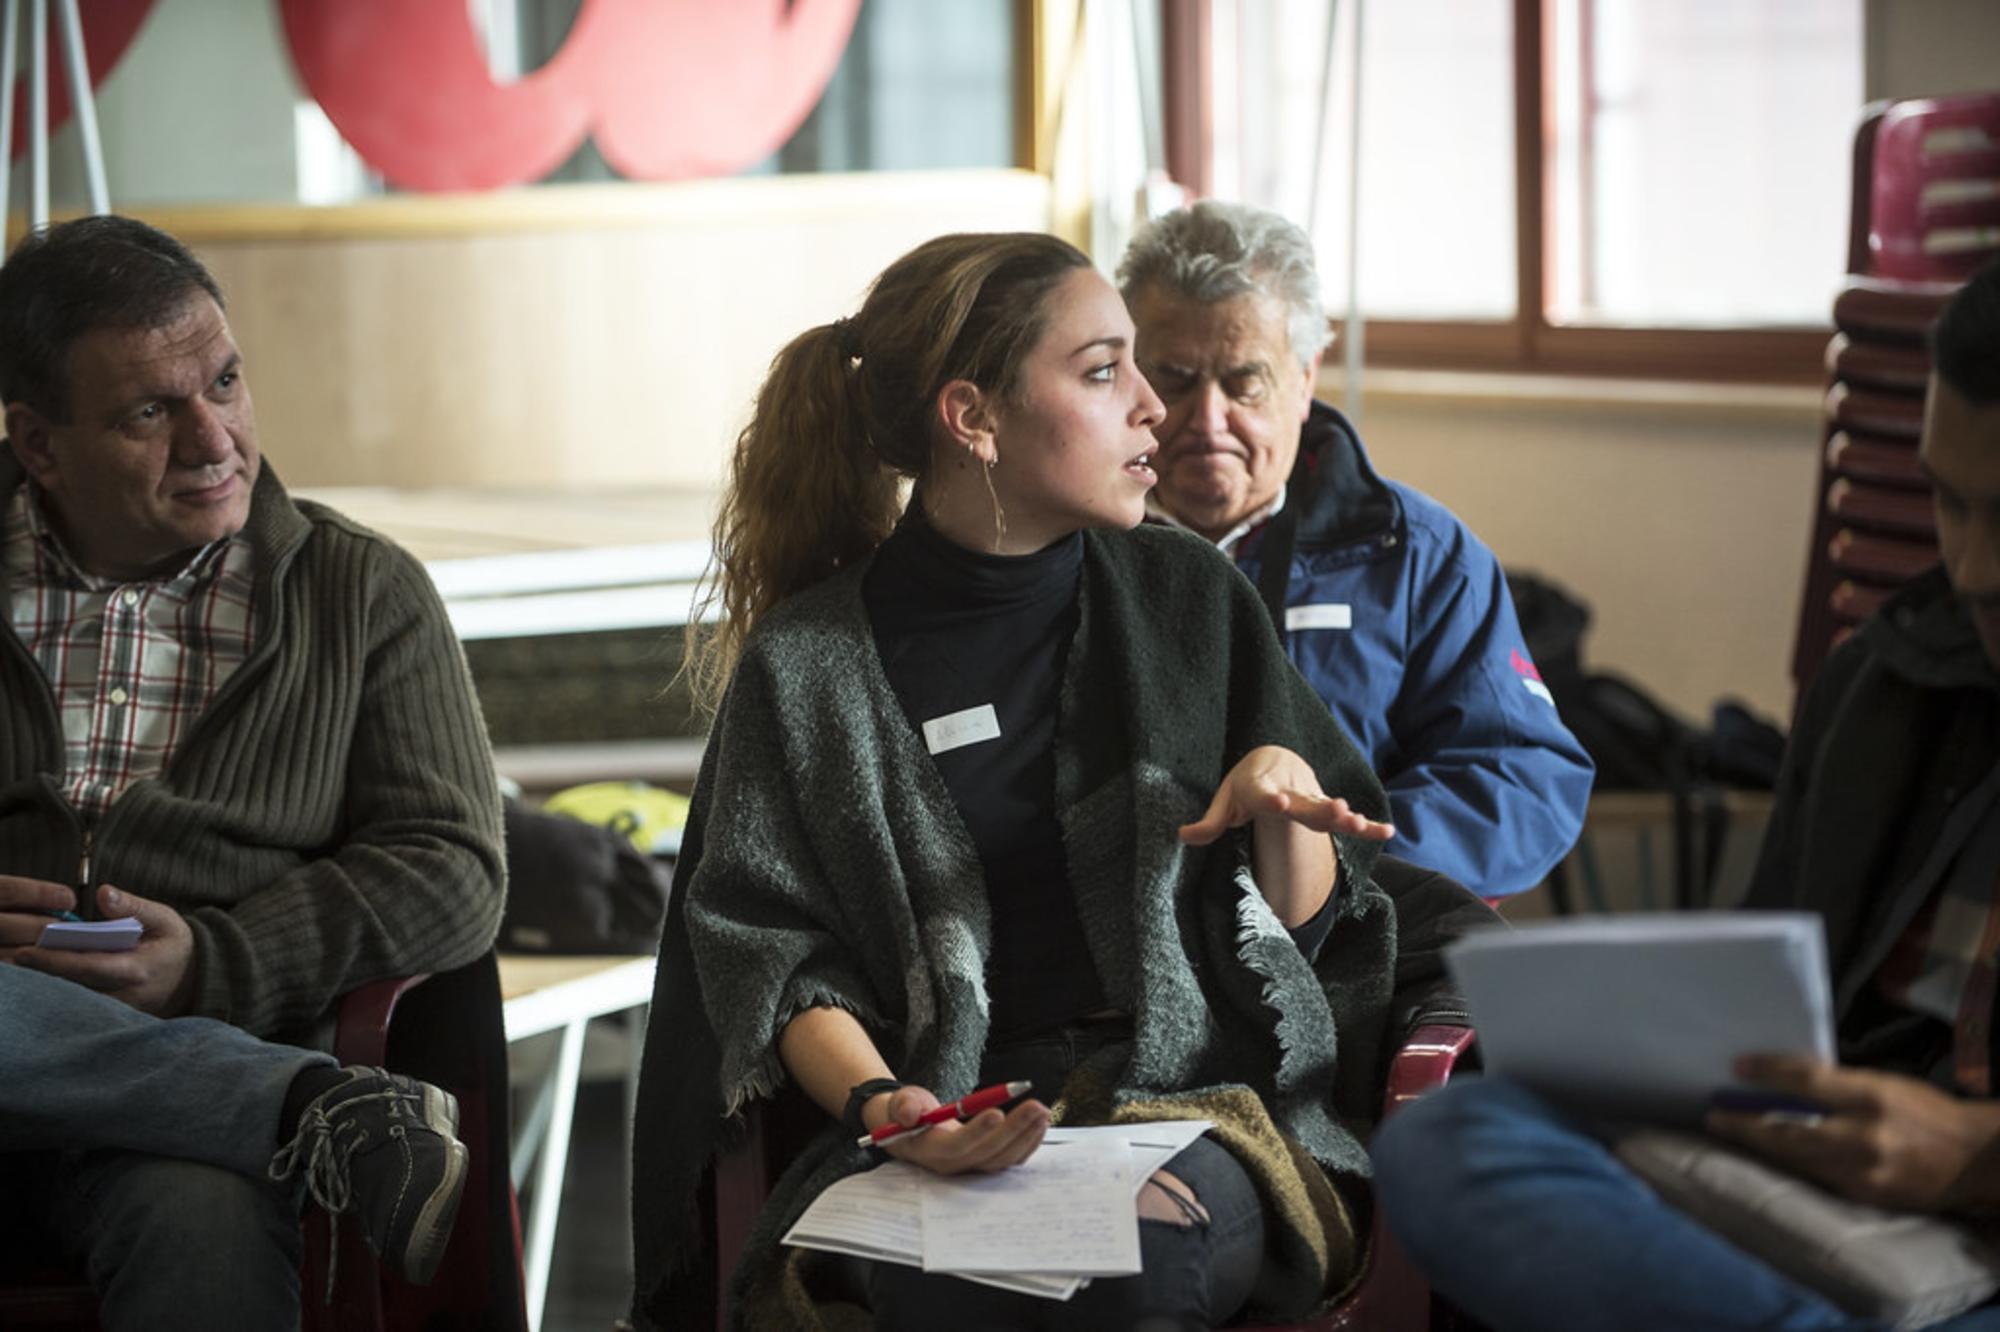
(320, 1150)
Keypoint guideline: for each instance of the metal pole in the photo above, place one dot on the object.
(38, 114)
(542, 1217)
(10, 17)
(86, 106)
(1355, 334)
(1325, 105)
(1143, 19)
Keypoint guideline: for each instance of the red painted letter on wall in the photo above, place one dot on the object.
(669, 88)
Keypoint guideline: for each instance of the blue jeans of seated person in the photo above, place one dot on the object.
(1193, 1276)
(1520, 1215)
(150, 1140)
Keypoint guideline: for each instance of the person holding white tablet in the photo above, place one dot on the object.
(1887, 825)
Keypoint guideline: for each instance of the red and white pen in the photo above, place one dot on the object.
(965, 1107)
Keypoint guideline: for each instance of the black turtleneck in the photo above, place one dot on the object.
(958, 631)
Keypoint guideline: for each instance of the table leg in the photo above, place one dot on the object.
(531, 1130)
(547, 1203)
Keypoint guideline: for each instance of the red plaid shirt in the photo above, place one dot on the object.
(131, 664)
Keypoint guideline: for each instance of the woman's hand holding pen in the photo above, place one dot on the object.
(991, 1140)
(828, 1052)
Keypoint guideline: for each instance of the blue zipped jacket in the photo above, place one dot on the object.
(1401, 620)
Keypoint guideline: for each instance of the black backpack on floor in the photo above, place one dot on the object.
(1639, 744)
(575, 887)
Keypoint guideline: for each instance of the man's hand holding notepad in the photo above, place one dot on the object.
(1642, 1016)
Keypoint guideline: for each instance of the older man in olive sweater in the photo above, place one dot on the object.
(238, 718)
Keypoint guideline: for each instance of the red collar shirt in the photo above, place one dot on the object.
(131, 664)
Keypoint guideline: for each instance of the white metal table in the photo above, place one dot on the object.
(550, 993)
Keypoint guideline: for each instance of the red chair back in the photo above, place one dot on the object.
(1926, 213)
(1934, 191)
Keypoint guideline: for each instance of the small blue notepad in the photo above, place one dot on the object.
(92, 936)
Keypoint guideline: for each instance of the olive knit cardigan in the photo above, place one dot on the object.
(331, 818)
(825, 864)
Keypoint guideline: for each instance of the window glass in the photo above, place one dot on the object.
(1437, 144)
(1701, 170)
(205, 108)
(923, 85)
(1697, 173)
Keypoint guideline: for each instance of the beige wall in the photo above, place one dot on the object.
(1681, 515)
(570, 337)
(1921, 48)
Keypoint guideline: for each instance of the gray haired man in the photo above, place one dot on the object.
(1395, 612)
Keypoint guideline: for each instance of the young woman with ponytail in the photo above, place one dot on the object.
(1004, 785)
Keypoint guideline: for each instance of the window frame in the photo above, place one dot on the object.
(1530, 342)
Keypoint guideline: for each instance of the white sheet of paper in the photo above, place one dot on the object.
(1064, 1211)
(878, 1214)
(1153, 1145)
(1642, 1015)
(875, 1214)
(1028, 1283)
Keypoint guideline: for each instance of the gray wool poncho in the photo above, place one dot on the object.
(825, 864)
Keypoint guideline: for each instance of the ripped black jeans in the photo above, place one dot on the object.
(1193, 1276)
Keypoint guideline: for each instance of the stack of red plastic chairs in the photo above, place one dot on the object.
(1926, 214)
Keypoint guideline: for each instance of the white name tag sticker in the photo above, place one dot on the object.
(1328, 615)
(956, 730)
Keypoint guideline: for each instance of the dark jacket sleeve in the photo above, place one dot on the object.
(418, 877)
(1774, 885)
(1431, 911)
(1485, 780)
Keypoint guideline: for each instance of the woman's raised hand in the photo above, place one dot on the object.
(990, 1140)
(1271, 782)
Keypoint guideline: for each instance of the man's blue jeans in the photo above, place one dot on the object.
(1520, 1214)
(151, 1139)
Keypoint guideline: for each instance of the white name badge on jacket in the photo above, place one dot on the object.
(1327, 615)
(956, 730)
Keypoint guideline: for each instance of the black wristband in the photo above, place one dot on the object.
(863, 1092)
